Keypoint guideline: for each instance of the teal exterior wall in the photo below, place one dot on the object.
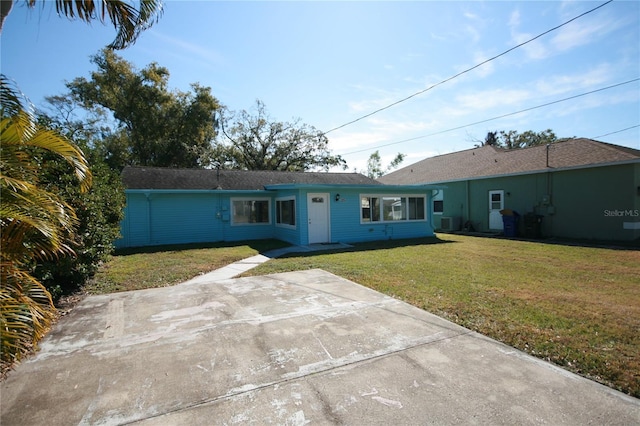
(603, 205)
(155, 218)
(160, 217)
(597, 203)
(287, 233)
(347, 226)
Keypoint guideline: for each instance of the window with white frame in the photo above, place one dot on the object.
(250, 211)
(286, 211)
(391, 208)
(438, 202)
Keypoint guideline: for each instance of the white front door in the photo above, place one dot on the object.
(318, 217)
(496, 203)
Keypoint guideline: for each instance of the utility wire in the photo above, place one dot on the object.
(617, 131)
(465, 71)
(498, 117)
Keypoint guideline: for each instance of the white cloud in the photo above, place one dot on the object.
(438, 37)
(473, 33)
(344, 142)
(580, 33)
(534, 49)
(559, 84)
(486, 69)
(375, 98)
(514, 19)
(415, 156)
(471, 16)
(395, 126)
(485, 99)
(188, 49)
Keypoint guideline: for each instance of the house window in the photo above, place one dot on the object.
(438, 202)
(416, 208)
(394, 208)
(286, 212)
(391, 208)
(370, 209)
(247, 211)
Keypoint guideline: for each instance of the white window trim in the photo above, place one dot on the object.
(386, 222)
(267, 199)
(295, 213)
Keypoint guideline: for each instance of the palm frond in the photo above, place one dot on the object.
(26, 311)
(36, 218)
(34, 224)
(18, 132)
(12, 100)
(128, 21)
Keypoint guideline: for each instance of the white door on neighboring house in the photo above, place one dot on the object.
(496, 203)
(318, 217)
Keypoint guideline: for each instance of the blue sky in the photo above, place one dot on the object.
(329, 63)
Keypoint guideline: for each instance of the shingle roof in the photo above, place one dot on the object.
(489, 161)
(166, 178)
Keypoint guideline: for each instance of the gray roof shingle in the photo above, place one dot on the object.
(489, 161)
(167, 178)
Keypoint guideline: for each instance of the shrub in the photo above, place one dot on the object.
(99, 213)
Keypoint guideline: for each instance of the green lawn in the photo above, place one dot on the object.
(168, 265)
(578, 307)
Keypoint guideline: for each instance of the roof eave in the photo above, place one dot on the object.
(194, 191)
(538, 171)
(377, 187)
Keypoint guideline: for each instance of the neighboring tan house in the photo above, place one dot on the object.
(178, 206)
(578, 189)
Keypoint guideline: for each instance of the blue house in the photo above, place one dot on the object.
(179, 206)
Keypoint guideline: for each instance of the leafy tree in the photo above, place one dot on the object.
(153, 126)
(513, 140)
(491, 139)
(257, 142)
(34, 222)
(99, 210)
(128, 21)
(374, 165)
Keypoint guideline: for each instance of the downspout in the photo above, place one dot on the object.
(550, 208)
(430, 203)
(467, 203)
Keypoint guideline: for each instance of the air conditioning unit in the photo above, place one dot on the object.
(450, 223)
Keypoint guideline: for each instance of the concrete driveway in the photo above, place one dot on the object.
(290, 349)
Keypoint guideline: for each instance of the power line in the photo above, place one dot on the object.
(617, 131)
(498, 117)
(465, 71)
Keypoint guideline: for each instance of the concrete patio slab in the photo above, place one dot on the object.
(298, 348)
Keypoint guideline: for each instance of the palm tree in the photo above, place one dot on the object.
(34, 224)
(128, 21)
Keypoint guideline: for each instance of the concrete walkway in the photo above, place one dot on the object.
(237, 268)
(296, 348)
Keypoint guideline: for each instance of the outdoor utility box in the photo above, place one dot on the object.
(510, 221)
(450, 223)
(533, 225)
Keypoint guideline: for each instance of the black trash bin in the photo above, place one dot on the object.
(533, 225)
(510, 221)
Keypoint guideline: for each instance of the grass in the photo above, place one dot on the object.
(163, 266)
(578, 307)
